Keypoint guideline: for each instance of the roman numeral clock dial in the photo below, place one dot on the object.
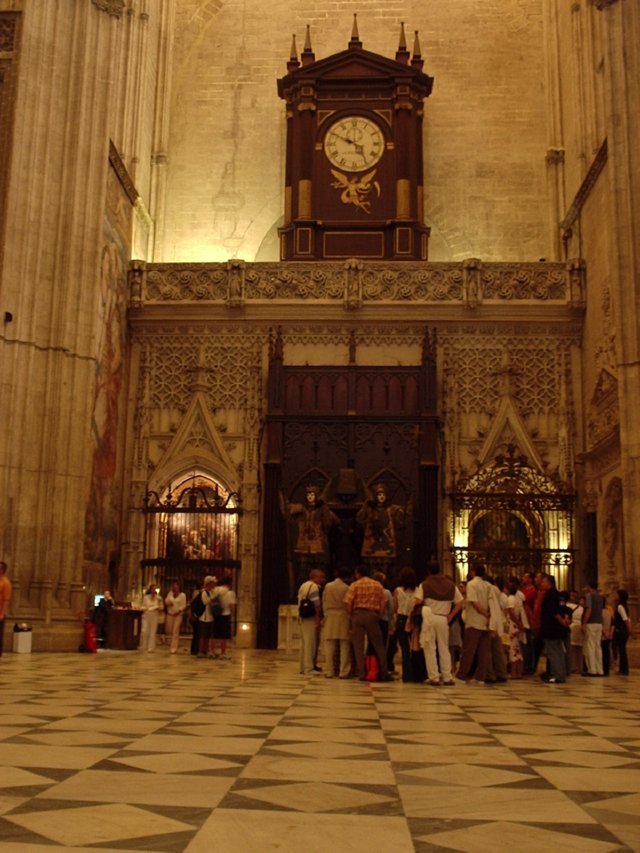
(354, 143)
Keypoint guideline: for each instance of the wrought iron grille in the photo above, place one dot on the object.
(512, 518)
(190, 536)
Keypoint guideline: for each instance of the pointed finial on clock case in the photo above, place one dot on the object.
(355, 43)
(293, 62)
(402, 54)
(307, 55)
(416, 60)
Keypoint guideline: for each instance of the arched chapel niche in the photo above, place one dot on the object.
(510, 518)
(191, 530)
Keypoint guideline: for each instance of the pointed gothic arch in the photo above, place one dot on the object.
(191, 530)
(511, 516)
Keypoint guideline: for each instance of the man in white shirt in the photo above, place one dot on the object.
(227, 601)
(442, 601)
(476, 645)
(205, 617)
(335, 630)
(497, 629)
(310, 625)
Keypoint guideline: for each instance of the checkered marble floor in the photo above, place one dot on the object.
(127, 751)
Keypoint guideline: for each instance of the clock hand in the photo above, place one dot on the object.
(359, 148)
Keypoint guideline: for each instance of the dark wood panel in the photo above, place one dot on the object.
(364, 426)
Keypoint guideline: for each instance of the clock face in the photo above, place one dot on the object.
(354, 143)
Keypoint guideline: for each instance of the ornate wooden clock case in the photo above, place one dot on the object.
(354, 174)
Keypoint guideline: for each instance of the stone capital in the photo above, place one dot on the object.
(555, 156)
(111, 7)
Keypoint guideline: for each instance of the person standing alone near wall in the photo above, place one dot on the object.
(5, 598)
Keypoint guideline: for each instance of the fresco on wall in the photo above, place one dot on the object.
(107, 418)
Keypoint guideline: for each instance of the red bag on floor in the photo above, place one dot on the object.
(90, 641)
(372, 667)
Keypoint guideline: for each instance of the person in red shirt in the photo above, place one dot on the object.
(5, 598)
(529, 591)
(541, 589)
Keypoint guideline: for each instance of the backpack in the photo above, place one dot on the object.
(306, 607)
(197, 605)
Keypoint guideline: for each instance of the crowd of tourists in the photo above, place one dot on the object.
(209, 614)
(482, 630)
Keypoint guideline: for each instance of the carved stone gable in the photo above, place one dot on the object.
(604, 415)
(507, 429)
(197, 441)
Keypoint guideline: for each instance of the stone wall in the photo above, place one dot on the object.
(485, 193)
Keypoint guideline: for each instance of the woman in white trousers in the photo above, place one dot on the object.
(175, 604)
(151, 604)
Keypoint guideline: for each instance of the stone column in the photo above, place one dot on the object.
(555, 152)
(50, 280)
(160, 157)
(622, 64)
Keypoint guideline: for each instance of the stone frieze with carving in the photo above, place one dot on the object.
(524, 281)
(8, 24)
(355, 283)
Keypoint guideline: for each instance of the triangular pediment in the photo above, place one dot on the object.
(357, 65)
(197, 442)
(508, 429)
(360, 63)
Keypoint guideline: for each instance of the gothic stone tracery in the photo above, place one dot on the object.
(504, 331)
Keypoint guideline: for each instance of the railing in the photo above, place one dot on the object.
(355, 283)
(195, 534)
(504, 562)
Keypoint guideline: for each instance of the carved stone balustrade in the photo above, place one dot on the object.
(357, 284)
